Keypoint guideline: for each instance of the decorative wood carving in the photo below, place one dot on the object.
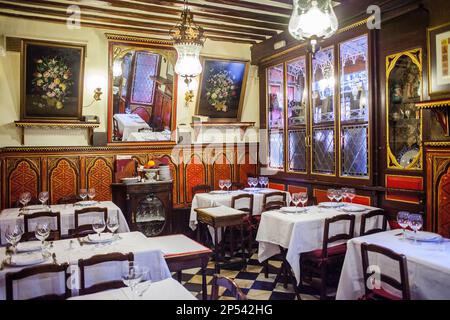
(63, 178)
(195, 171)
(221, 169)
(99, 175)
(23, 177)
(247, 167)
(444, 205)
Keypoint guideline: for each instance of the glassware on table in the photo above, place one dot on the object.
(351, 194)
(415, 222)
(132, 275)
(303, 198)
(112, 223)
(24, 198)
(228, 185)
(43, 198)
(261, 181)
(83, 194)
(338, 195)
(344, 194)
(331, 194)
(221, 184)
(295, 199)
(42, 232)
(13, 235)
(403, 221)
(266, 182)
(91, 194)
(98, 225)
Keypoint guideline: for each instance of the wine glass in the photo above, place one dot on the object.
(83, 194)
(228, 185)
(132, 275)
(99, 225)
(261, 181)
(91, 194)
(112, 223)
(303, 198)
(415, 222)
(295, 198)
(351, 194)
(330, 194)
(403, 222)
(42, 232)
(344, 194)
(43, 197)
(221, 184)
(13, 235)
(24, 198)
(338, 195)
(266, 182)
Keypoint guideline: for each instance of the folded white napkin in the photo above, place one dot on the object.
(29, 246)
(27, 259)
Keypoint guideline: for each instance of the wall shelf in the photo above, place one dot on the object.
(90, 126)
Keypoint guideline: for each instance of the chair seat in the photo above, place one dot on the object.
(381, 294)
(332, 252)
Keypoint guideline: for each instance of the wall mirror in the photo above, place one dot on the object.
(142, 92)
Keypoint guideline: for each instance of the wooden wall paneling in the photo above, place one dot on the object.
(247, 164)
(22, 175)
(443, 201)
(277, 186)
(63, 177)
(99, 174)
(222, 168)
(195, 173)
(296, 189)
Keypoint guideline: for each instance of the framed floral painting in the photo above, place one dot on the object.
(439, 60)
(222, 89)
(52, 81)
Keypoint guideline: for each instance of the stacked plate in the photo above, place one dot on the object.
(331, 205)
(292, 210)
(164, 173)
(353, 208)
(423, 236)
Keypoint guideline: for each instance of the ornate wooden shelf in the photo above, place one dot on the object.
(441, 108)
(90, 126)
(243, 126)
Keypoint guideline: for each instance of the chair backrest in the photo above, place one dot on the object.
(32, 202)
(201, 188)
(69, 199)
(249, 197)
(327, 239)
(100, 259)
(370, 215)
(55, 233)
(270, 204)
(402, 285)
(86, 228)
(224, 282)
(10, 277)
(237, 186)
(143, 113)
(117, 135)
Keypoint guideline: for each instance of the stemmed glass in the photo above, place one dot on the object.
(344, 194)
(112, 223)
(83, 194)
(43, 198)
(295, 198)
(13, 236)
(132, 275)
(221, 184)
(331, 194)
(261, 181)
(42, 232)
(351, 194)
(24, 198)
(403, 222)
(303, 198)
(415, 222)
(91, 194)
(228, 185)
(338, 195)
(98, 225)
(266, 182)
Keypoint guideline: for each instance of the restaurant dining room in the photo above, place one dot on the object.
(208, 150)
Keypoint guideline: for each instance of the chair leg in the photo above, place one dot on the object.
(323, 281)
(179, 276)
(266, 268)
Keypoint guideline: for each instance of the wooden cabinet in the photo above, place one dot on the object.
(146, 206)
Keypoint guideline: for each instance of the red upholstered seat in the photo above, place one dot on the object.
(332, 251)
(381, 294)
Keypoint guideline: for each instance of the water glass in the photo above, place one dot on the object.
(132, 275)
(43, 197)
(228, 185)
(344, 194)
(99, 225)
(351, 193)
(13, 235)
(331, 194)
(403, 222)
(221, 184)
(112, 223)
(91, 194)
(24, 198)
(295, 198)
(338, 195)
(415, 222)
(42, 232)
(303, 198)
(83, 194)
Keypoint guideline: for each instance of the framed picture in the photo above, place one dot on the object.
(52, 81)
(439, 60)
(222, 89)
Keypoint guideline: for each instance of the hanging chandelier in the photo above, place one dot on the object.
(313, 20)
(188, 40)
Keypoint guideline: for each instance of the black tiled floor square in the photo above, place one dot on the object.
(263, 285)
(282, 296)
(247, 275)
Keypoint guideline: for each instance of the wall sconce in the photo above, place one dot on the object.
(97, 97)
(188, 97)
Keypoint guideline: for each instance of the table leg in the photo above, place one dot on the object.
(217, 251)
(244, 256)
(204, 285)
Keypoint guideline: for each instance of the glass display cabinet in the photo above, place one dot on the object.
(404, 120)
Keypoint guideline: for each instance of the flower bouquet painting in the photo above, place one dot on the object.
(52, 84)
(222, 89)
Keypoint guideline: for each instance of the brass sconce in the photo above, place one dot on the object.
(97, 97)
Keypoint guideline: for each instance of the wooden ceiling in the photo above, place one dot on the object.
(248, 21)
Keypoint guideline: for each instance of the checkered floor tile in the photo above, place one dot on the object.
(251, 281)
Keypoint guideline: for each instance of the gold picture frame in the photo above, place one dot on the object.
(439, 62)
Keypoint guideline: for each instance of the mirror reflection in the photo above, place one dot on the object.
(142, 94)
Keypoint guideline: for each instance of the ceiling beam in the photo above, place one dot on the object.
(254, 6)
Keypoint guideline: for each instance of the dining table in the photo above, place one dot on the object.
(303, 231)
(12, 216)
(168, 289)
(129, 123)
(224, 198)
(70, 251)
(428, 265)
(149, 136)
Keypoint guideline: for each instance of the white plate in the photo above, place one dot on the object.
(29, 246)
(35, 207)
(26, 259)
(423, 236)
(292, 209)
(104, 238)
(353, 208)
(86, 203)
(252, 189)
(219, 192)
(331, 204)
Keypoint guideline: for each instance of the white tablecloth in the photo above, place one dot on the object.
(175, 245)
(301, 232)
(149, 136)
(9, 217)
(428, 266)
(129, 123)
(168, 289)
(68, 251)
(208, 200)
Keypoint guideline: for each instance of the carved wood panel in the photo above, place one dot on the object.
(63, 177)
(222, 168)
(99, 173)
(23, 176)
(444, 205)
(247, 167)
(195, 174)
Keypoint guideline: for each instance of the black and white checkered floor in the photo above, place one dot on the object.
(252, 282)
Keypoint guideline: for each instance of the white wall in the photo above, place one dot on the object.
(96, 71)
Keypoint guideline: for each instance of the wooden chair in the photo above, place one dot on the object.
(201, 188)
(55, 234)
(370, 215)
(10, 277)
(69, 199)
(143, 113)
(33, 201)
(380, 293)
(117, 135)
(318, 262)
(249, 224)
(85, 229)
(224, 282)
(269, 205)
(237, 186)
(100, 259)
